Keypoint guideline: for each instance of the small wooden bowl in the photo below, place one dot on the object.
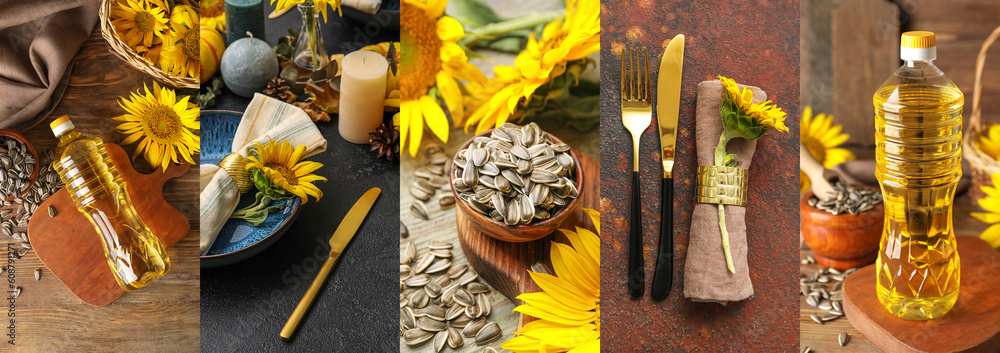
(842, 241)
(518, 233)
(34, 154)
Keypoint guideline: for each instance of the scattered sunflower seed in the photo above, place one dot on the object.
(843, 338)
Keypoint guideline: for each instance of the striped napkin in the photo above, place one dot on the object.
(265, 119)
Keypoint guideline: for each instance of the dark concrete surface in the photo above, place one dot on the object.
(755, 43)
(245, 305)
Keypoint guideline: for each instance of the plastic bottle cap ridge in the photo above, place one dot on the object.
(918, 39)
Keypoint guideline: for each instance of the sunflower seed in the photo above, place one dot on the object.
(418, 280)
(410, 252)
(17, 292)
(815, 318)
(825, 305)
(463, 298)
(454, 312)
(433, 291)
(435, 312)
(457, 271)
(489, 333)
(438, 265)
(418, 209)
(806, 350)
(477, 288)
(446, 201)
(38, 274)
(836, 306)
(424, 262)
(461, 320)
(454, 338)
(21, 252)
(473, 327)
(416, 336)
(843, 338)
(403, 232)
(442, 281)
(483, 303)
(428, 324)
(467, 277)
(442, 253)
(406, 318)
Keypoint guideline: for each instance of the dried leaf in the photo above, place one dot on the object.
(324, 97)
(315, 113)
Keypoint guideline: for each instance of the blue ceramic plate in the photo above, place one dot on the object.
(237, 241)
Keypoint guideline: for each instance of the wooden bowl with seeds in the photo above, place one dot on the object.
(29, 177)
(842, 241)
(541, 224)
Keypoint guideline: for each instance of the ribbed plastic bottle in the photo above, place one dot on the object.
(133, 252)
(918, 139)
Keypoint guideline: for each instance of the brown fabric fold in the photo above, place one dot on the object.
(706, 278)
(38, 40)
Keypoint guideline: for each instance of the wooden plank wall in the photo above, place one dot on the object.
(849, 49)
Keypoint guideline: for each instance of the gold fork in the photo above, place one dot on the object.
(637, 113)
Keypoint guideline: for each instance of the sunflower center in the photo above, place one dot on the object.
(192, 50)
(144, 21)
(421, 58)
(285, 172)
(815, 148)
(212, 8)
(162, 124)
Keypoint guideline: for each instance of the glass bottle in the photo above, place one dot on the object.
(309, 52)
(133, 252)
(918, 139)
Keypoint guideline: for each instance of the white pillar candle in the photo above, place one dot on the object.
(362, 95)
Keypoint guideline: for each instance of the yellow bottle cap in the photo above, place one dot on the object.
(58, 121)
(918, 40)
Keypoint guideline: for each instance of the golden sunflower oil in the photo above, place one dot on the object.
(133, 252)
(918, 137)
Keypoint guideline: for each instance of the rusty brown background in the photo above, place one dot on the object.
(755, 43)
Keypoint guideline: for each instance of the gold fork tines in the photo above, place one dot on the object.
(637, 107)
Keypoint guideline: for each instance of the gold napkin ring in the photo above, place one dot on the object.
(235, 165)
(721, 185)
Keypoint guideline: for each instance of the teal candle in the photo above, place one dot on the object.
(243, 16)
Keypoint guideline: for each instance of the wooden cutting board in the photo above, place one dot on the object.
(504, 265)
(972, 325)
(71, 248)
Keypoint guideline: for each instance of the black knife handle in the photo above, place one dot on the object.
(663, 278)
(636, 275)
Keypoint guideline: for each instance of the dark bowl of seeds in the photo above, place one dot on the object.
(516, 183)
(18, 165)
(844, 231)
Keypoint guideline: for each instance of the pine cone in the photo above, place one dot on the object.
(278, 88)
(385, 140)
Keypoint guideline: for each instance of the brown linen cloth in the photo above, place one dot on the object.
(706, 277)
(38, 40)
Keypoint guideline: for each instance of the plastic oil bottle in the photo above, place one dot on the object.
(918, 137)
(134, 253)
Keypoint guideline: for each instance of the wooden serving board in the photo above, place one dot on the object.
(972, 325)
(503, 264)
(70, 247)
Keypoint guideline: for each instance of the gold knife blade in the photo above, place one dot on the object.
(668, 100)
(343, 235)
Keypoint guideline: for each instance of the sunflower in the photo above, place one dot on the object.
(766, 113)
(821, 137)
(569, 308)
(213, 15)
(989, 142)
(167, 123)
(139, 22)
(431, 60)
(320, 4)
(563, 41)
(991, 203)
(181, 50)
(284, 168)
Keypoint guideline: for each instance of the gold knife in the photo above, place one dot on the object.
(668, 102)
(345, 232)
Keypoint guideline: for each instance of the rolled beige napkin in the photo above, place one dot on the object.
(265, 119)
(706, 277)
(39, 41)
(367, 6)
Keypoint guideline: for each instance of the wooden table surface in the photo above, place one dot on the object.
(823, 338)
(164, 316)
(442, 224)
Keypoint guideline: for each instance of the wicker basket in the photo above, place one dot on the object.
(983, 166)
(124, 52)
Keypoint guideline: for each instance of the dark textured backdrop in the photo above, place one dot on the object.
(755, 43)
(245, 305)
